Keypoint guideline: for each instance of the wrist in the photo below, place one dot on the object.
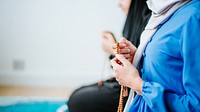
(137, 85)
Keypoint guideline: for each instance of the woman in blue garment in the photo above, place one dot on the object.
(171, 65)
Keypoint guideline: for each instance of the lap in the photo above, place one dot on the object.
(93, 98)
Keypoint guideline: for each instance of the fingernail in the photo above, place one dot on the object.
(117, 55)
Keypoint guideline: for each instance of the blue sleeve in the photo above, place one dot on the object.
(155, 95)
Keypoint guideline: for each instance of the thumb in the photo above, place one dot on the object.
(114, 63)
(122, 59)
(123, 40)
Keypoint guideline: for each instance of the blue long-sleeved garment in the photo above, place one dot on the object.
(171, 67)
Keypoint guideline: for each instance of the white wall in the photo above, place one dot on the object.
(54, 42)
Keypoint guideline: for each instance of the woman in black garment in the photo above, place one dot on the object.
(93, 98)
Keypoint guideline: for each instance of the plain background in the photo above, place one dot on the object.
(55, 42)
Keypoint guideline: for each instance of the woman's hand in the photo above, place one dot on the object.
(126, 48)
(126, 74)
(108, 40)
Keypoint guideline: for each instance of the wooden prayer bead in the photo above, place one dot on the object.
(124, 90)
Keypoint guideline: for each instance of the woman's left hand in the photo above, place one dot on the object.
(126, 74)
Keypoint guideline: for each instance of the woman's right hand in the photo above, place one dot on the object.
(126, 48)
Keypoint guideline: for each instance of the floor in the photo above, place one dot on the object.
(35, 91)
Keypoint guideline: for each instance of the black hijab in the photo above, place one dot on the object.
(136, 21)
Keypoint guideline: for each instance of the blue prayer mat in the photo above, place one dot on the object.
(35, 106)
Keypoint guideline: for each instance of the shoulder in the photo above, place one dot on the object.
(189, 11)
(186, 16)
